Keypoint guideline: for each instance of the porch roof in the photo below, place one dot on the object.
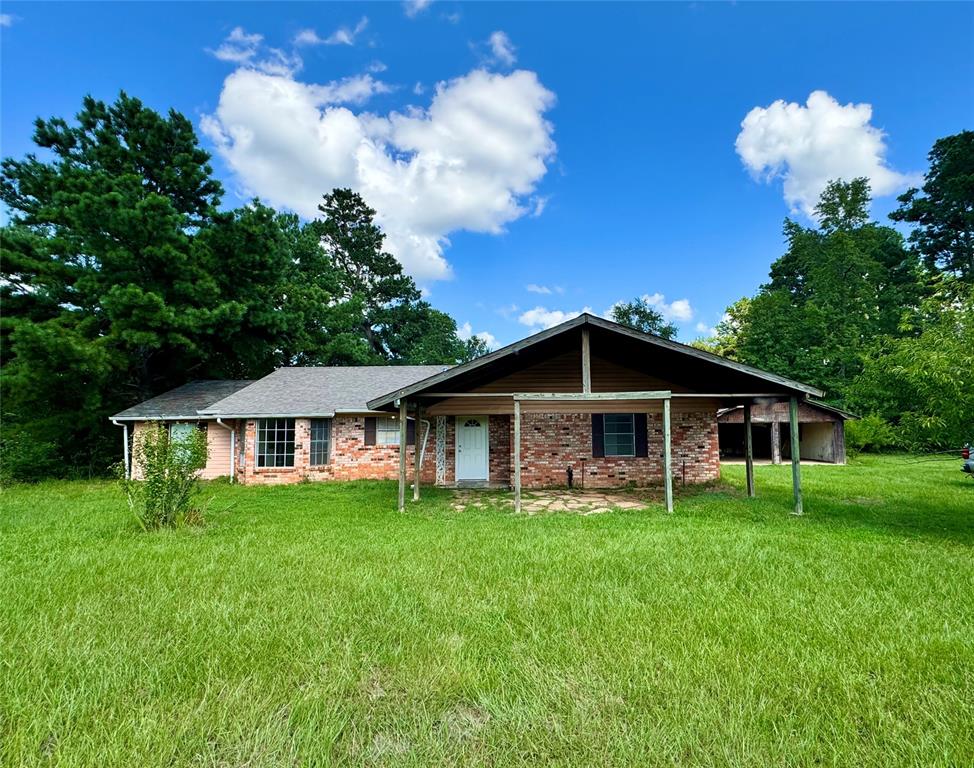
(696, 371)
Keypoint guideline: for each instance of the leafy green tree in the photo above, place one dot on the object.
(943, 208)
(378, 314)
(922, 384)
(641, 315)
(104, 298)
(728, 332)
(837, 288)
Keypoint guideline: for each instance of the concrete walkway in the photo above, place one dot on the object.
(578, 502)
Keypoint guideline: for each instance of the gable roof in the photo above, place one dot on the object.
(585, 319)
(317, 391)
(183, 402)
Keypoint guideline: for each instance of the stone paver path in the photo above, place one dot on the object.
(579, 502)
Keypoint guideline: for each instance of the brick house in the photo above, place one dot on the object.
(607, 404)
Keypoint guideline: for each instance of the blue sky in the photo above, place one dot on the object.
(529, 160)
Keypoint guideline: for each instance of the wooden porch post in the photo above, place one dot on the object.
(796, 471)
(417, 453)
(586, 362)
(402, 455)
(748, 451)
(517, 456)
(667, 459)
(775, 439)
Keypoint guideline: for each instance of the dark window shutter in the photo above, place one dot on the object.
(598, 436)
(642, 440)
(411, 432)
(370, 430)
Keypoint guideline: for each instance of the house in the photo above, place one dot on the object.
(589, 402)
(821, 431)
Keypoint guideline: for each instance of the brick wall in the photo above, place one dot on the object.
(350, 457)
(551, 442)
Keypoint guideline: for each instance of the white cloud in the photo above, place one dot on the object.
(507, 310)
(808, 146)
(238, 47)
(542, 317)
(469, 161)
(414, 7)
(344, 35)
(377, 66)
(246, 50)
(544, 290)
(6, 20)
(678, 310)
(501, 48)
(419, 89)
(707, 329)
(465, 332)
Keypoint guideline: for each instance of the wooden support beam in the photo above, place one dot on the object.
(775, 440)
(586, 362)
(594, 396)
(667, 458)
(402, 455)
(796, 469)
(517, 456)
(748, 451)
(417, 452)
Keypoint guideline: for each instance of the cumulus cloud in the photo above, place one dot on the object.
(465, 332)
(678, 310)
(542, 317)
(501, 48)
(344, 35)
(415, 7)
(807, 146)
(247, 50)
(469, 161)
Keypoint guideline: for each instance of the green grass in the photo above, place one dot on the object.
(314, 625)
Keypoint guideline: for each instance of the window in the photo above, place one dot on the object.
(320, 441)
(275, 443)
(620, 434)
(182, 430)
(387, 431)
(179, 432)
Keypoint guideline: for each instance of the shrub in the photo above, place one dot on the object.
(25, 458)
(870, 434)
(169, 478)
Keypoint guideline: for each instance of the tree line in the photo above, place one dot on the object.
(884, 324)
(122, 277)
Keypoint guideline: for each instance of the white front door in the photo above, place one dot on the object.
(471, 460)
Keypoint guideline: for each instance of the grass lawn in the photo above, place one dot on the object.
(314, 625)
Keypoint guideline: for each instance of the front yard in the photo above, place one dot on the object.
(314, 625)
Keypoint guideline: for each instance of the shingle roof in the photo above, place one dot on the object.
(183, 402)
(319, 391)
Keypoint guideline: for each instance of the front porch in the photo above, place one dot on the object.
(589, 404)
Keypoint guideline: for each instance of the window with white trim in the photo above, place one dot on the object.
(320, 442)
(619, 430)
(387, 430)
(275, 443)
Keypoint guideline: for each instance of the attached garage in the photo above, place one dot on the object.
(821, 431)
